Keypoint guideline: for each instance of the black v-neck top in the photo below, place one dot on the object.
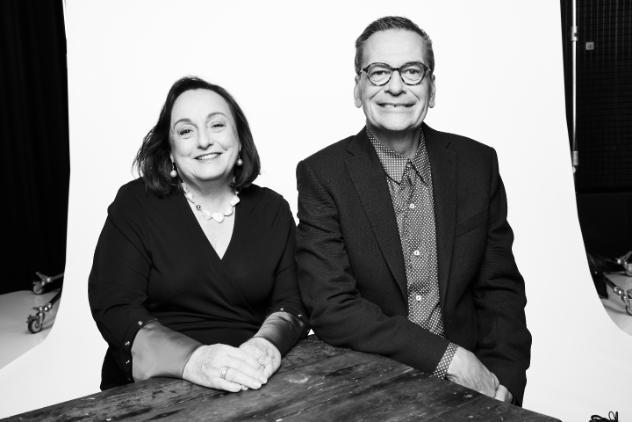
(153, 261)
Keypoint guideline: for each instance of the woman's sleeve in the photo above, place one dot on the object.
(118, 293)
(158, 351)
(286, 321)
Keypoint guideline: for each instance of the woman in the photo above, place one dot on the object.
(194, 274)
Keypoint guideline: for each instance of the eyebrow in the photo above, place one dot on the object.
(187, 120)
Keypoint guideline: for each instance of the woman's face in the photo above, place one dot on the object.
(203, 138)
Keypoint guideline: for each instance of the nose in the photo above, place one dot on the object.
(395, 85)
(205, 138)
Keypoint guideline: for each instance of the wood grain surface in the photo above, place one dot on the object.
(316, 382)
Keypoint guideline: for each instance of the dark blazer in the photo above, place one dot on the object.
(351, 268)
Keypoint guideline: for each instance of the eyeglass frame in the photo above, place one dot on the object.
(427, 71)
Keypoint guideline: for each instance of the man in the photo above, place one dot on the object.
(403, 244)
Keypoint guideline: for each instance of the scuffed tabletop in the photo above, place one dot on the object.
(316, 382)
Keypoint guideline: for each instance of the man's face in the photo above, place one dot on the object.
(394, 107)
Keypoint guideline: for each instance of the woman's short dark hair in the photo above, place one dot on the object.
(153, 160)
(392, 22)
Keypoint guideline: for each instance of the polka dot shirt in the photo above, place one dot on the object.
(410, 185)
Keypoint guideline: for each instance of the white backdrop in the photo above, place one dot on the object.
(290, 66)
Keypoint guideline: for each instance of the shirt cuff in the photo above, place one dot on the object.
(159, 351)
(442, 367)
(282, 329)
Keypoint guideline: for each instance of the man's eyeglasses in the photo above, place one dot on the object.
(411, 73)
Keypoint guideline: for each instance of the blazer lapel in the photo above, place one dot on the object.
(443, 165)
(369, 179)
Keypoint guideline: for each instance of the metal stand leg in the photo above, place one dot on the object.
(35, 322)
(43, 280)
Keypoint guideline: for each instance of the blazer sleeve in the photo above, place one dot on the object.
(504, 341)
(339, 314)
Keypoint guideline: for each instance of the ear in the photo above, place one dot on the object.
(356, 92)
(431, 102)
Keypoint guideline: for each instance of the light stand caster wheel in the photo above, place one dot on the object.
(38, 289)
(36, 322)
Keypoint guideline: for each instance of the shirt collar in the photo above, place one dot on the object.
(394, 164)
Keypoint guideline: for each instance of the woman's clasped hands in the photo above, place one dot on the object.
(229, 368)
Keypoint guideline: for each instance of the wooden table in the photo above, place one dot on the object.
(316, 382)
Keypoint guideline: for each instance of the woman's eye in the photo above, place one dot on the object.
(185, 132)
(217, 125)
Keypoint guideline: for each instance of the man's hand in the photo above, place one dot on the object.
(466, 370)
(503, 394)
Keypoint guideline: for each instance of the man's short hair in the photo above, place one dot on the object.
(392, 22)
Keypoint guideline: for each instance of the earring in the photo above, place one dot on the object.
(173, 173)
(239, 162)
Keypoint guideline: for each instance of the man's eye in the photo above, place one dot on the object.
(413, 71)
(378, 73)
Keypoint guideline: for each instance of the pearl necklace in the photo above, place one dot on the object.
(217, 216)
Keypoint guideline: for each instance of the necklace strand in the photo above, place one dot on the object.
(216, 216)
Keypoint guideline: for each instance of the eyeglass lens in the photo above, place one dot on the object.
(411, 74)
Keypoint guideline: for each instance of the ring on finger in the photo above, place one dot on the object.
(223, 372)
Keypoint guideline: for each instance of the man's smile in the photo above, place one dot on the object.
(395, 105)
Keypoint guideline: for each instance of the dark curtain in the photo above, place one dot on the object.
(603, 180)
(34, 134)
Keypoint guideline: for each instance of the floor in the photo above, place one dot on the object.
(15, 307)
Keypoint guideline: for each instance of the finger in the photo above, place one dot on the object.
(211, 377)
(255, 372)
(267, 364)
(263, 360)
(244, 357)
(487, 389)
(222, 384)
(495, 381)
(488, 384)
(244, 362)
(503, 394)
(235, 376)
